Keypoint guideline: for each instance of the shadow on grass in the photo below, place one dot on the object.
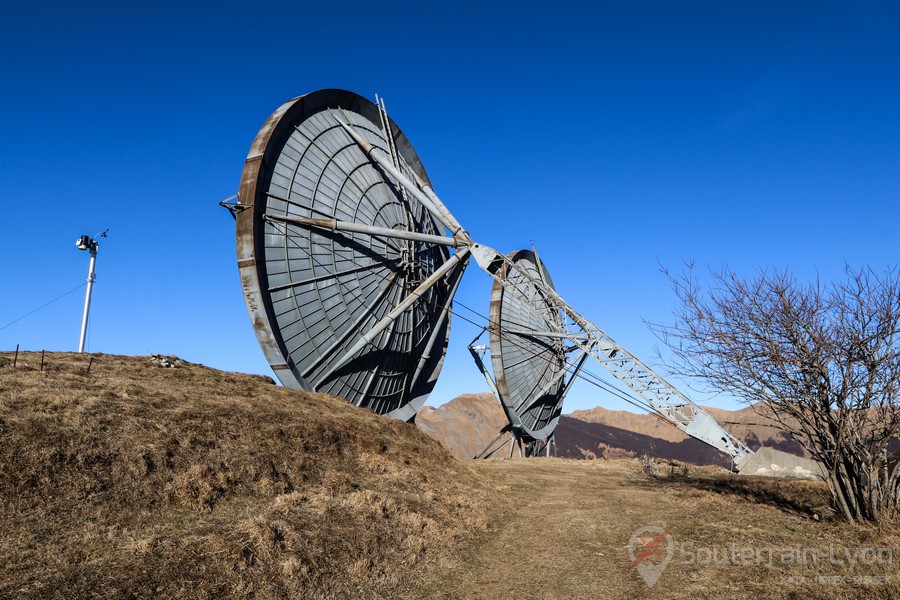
(806, 498)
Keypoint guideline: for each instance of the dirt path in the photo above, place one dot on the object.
(564, 527)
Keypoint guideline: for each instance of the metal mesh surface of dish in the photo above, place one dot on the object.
(529, 365)
(314, 293)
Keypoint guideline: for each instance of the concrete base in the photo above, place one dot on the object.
(769, 462)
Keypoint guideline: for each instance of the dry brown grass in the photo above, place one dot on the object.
(137, 481)
(133, 480)
(563, 528)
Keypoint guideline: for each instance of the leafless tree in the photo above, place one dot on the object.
(823, 360)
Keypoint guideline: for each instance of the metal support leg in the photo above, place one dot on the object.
(487, 452)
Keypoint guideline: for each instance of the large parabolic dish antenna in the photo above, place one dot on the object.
(334, 290)
(528, 353)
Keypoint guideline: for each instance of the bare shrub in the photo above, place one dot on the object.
(823, 359)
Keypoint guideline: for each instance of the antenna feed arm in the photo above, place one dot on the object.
(488, 259)
(418, 188)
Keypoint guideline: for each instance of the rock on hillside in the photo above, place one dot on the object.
(120, 478)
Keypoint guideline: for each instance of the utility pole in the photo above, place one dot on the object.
(90, 244)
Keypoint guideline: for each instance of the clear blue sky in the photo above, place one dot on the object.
(615, 136)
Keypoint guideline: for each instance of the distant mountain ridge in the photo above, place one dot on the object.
(467, 423)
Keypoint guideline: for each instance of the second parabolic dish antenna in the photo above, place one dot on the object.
(527, 350)
(327, 249)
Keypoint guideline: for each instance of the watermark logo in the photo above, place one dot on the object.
(651, 549)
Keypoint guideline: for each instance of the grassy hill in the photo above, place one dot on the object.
(120, 478)
(123, 479)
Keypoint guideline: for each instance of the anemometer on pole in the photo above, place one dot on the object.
(349, 262)
(90, 244)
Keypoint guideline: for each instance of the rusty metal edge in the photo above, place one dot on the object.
(248, 265)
